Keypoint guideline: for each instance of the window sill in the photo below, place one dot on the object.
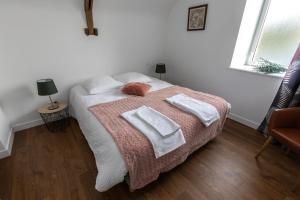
(250, 69)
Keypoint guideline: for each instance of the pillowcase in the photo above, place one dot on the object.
(138, 89)
(101, 84)
(132, 77)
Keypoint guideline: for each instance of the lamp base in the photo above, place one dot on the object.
(53, 106)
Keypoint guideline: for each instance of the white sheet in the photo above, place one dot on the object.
(110, 164)
(161, 145)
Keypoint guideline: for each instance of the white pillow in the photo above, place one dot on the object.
(101, 84)
(132, 77)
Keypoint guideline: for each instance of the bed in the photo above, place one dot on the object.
(111, 166)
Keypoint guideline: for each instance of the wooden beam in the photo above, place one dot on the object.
(88, 8)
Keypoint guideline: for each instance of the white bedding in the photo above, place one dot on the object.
(110, 164)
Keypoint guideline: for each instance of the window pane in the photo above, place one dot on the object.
(281, 32)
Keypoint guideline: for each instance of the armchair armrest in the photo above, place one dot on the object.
(285, 118)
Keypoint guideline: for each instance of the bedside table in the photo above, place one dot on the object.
(57, 119)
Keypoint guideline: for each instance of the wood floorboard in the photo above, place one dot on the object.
(58, 166)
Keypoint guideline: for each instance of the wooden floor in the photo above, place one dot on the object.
(61, 166)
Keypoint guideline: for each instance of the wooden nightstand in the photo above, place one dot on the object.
(57, 119)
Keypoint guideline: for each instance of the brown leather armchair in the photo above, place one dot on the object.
(284, 126)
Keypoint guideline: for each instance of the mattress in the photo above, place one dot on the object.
(110, 164)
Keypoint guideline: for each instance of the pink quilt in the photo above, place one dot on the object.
(137, 151)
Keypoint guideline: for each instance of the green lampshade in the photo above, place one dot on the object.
(160, 68)
(46, 87)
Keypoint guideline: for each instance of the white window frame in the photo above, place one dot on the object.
(251, 28)
(258, 31)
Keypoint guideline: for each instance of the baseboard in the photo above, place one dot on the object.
(18, 127)
(4, 154)
(38, 122)
(8, 147)
(27, 125)
(243, 120)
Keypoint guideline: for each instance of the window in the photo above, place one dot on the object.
(279, 36)
(270, 31)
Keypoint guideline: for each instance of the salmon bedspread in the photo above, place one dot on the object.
(136, 149)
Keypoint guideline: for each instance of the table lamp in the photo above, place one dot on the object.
(46, 87)
(160, 69)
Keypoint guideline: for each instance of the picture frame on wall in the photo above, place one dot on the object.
(197, 18)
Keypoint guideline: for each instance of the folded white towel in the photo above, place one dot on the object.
(161, 145)
(207, 113)
(161, 123)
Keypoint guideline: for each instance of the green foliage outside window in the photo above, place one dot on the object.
(267, 67)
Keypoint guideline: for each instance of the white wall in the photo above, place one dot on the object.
(5, 132)
(41, 39)
(45, 39)
(201, 59)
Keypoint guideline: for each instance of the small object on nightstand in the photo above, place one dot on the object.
(55, 119)
(160, 69)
